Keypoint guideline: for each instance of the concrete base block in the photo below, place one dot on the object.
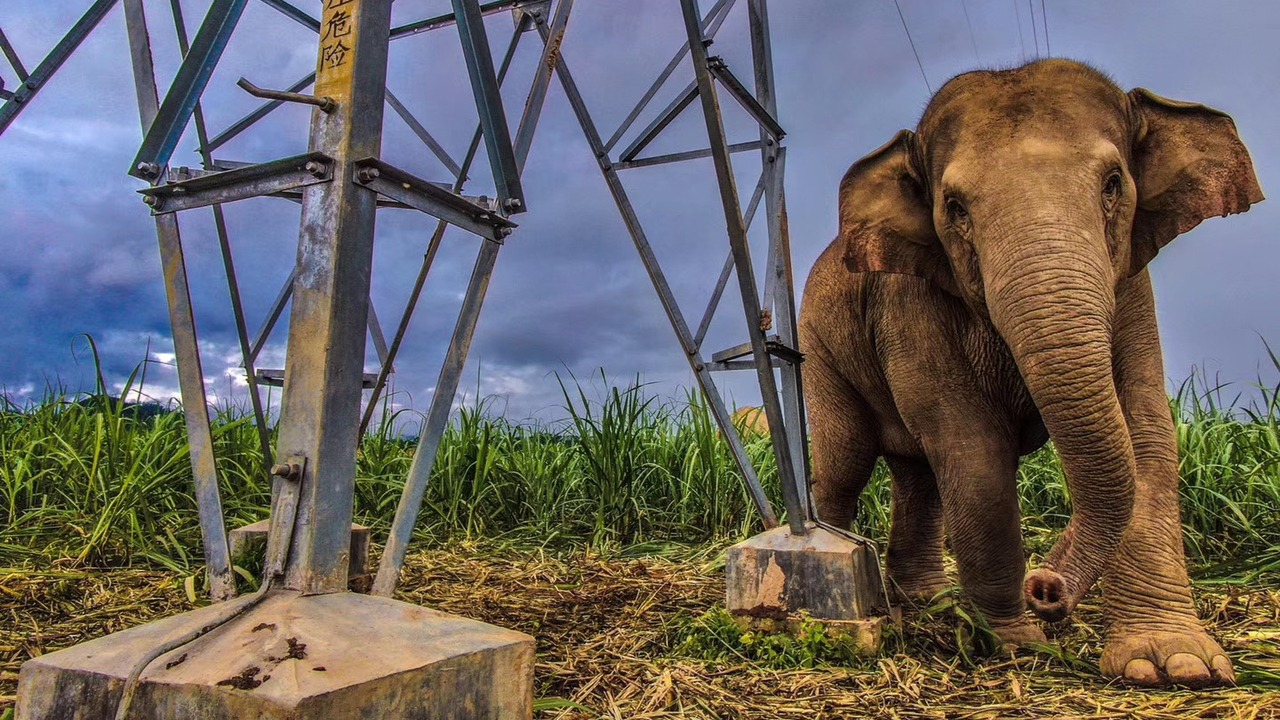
(245, 539)
(775, 575)
(866, 634)
(294, 657)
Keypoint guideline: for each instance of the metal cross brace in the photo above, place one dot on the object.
(313, 563)
(31, 83)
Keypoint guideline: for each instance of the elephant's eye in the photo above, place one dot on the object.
(1111, 191)
(956, 213)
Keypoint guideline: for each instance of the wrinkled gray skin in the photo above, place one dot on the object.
(987, 291)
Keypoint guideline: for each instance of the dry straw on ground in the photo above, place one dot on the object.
(609, 631)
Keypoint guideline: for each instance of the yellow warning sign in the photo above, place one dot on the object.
(337, 48)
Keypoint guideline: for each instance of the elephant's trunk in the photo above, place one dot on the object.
(1051, 295)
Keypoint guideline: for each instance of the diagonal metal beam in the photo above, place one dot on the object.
(744, 97)
(40, 76)
(415, 486)
(493, 120)
(796, 515)
(12, 56)
(295, 14)
(663, 289)
(440, 21)
(273, 316)
(660, 123)
(435, 147)
(179, 104)
(195, 409)
(433, 247)
(541, 81)
(228, 263)
(375, 334)
(723, 280)
(710, 26)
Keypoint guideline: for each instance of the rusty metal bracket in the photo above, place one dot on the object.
(484, 220)
(326, 104)
(744, 97)
(537, 9)
(269, 178)
(773, 345)
(283, 515)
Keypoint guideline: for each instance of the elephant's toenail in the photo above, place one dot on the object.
(1142, 672)
(1222, 669)
(1187, 669)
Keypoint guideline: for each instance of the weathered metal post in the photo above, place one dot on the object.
(803, 566)
(303, 646)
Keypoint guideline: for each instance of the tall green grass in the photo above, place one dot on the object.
(89, 479)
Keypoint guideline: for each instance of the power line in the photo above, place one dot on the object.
(1044, 18)
(913, 47)
(1022, 45)
(1034, 34)
(974, 40)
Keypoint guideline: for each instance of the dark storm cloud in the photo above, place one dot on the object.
(569, 294)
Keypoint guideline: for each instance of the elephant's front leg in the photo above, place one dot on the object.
(976, 467)
(1153, 634)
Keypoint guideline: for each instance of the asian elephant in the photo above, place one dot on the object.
(988, 291)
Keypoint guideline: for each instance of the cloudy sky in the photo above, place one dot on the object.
(569, 294)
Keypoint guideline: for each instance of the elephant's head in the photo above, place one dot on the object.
(1032, 194)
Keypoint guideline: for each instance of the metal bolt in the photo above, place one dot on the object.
(367, 175)
(317, 169)
(768, 141)
(288, 471)
(151, 200)
(148, 169)
(514, 203)
(504, 232)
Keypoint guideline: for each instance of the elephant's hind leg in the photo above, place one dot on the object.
(844, 439)
(914, 558)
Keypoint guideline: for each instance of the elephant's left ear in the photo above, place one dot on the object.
(1189, 164)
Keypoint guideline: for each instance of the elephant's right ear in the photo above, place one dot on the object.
(886, 223)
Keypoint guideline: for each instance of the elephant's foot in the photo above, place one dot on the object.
(1154, 657)
(1017, 633)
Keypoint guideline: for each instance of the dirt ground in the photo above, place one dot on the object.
(609, 632)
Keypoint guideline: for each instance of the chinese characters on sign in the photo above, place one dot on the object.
(335, 46)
